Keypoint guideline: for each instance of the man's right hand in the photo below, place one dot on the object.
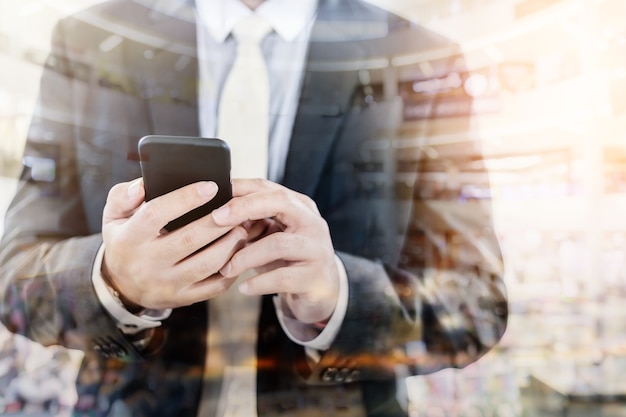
(154, 269)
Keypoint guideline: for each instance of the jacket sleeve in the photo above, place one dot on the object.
(425, 272)
(47, 249)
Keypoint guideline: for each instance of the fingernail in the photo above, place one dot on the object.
(244, 288)
(220, 215)
(133, 188)
(207, 189)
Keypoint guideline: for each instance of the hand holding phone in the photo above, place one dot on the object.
(155, 270)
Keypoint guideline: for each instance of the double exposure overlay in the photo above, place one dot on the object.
(467, 156)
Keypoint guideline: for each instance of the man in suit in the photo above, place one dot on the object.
(362, 283)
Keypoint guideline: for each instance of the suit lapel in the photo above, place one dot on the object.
(329, 90)
(316, 127)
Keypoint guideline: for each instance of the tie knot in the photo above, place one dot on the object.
(251, 29)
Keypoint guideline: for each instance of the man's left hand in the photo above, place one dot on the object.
(293, 253)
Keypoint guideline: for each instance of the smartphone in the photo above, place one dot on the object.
(171, 162)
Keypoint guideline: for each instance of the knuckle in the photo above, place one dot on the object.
(285, 194)
(285, 280)
(300, 243)
(309, 202)
(165, 249)
(305, 199)
(188, 239)
(263, 183)
(186, 278)
(207, 267)
(151, 215)
(239, 233)
(246, 203)
(237, 204)
(242, 206)
(280, 242)
(204, 269)
(237, 263)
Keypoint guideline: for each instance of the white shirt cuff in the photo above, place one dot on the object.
(305, 334)
(127, 322)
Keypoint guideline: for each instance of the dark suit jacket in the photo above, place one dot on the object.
(424, 279)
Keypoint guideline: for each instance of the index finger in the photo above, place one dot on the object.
(158, 212)
(244, 187)
(284, 205)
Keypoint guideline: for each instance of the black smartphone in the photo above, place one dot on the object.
(171, 162)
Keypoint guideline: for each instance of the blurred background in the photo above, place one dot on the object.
(548, 78)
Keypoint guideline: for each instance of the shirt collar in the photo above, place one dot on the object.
(287, 17)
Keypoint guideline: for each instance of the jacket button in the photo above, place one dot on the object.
(118, 350)
(342, 375)
(329, 374)
(103, 350)
(353, 376)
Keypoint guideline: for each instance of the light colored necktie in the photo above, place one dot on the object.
(243, 115)
(243, 122)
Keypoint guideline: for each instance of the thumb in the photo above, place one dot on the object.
(123, 199)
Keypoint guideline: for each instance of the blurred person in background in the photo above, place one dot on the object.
(358, 290)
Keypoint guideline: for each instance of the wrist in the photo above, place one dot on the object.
(119, 297)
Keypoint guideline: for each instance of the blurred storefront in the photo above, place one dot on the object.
(547, 79)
